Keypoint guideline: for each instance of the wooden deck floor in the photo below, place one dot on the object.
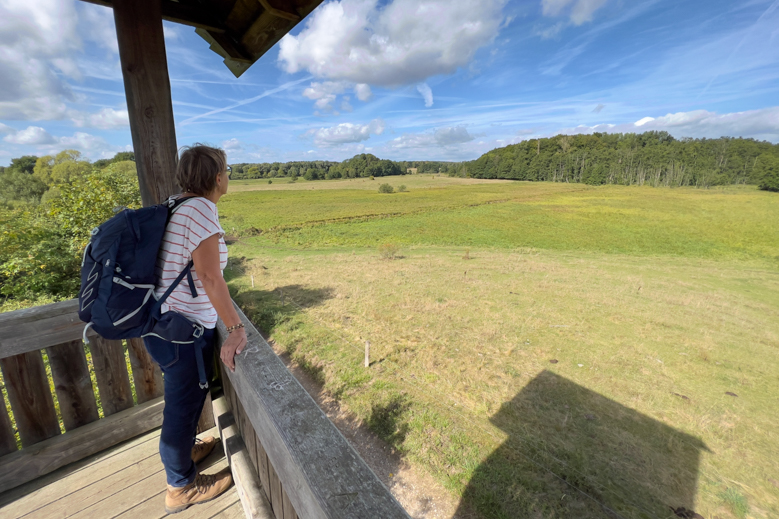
(125, 482)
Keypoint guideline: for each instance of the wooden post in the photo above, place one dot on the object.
(147, 87)
(367, 354)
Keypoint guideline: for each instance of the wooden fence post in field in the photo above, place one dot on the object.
(367, 353)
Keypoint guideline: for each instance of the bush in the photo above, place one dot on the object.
(388, 250)
(386, 188)
(402, 188)
(270, 182)
(767, 170)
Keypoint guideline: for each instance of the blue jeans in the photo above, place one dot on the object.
(184, 399)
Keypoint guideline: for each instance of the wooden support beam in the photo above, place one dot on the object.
(25, 465)
(72, 383)
(147, 87)
(185, 14)
(279, 13)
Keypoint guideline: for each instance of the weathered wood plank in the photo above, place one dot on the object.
(322, 474)
(275, 493)
(7, 438)
(22, 466)
(247, 484)
(286, 505)
(262, 467)
(113, 382)
(206, 420)
(39, 327)
(72, 383)
(30, 397)
(147, 88)
(147, 375)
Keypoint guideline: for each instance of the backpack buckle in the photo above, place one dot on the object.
(198, 333)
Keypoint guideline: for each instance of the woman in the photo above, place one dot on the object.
(193, 233)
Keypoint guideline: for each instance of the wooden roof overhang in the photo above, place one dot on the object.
(241, 31)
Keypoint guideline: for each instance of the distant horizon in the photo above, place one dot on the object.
(447, 81)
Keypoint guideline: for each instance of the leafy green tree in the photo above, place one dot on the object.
(25, 164)
(386, 188)
(74, 166)
(20, 186)
(767, 170)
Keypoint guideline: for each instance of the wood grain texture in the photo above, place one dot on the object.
(25, 465)
(248, 486)
(30, 397)
(262, 468)
(147, 375)
(147, 88)
(7, 439)
(72, 384)
(275, 494)
(321, 473)
(39, 327)
(206, 420)
(113, 382)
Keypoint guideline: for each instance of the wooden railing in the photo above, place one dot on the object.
(305, 467)
(55, 331)
(290, 460)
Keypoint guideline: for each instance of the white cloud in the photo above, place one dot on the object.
(324, 93)
(97, 25)
(86, 142)
(232, 145)
(404, 42)
(581, 10)
(105, 119)
(760, 124)
(4, 128)
(363, 92)
(37, 42)
(441, 137)
(32, 135)
(427, 94)
(346, 133)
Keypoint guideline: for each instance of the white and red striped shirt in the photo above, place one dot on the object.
(194, 221)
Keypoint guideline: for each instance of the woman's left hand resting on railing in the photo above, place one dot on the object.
(206, 260)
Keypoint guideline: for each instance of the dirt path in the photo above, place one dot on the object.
(417, 491)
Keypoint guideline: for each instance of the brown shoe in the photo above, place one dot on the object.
(203, 448)
(205, 488)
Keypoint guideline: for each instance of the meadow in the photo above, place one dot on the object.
(542, 349)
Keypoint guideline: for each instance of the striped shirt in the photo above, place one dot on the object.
(194, 221)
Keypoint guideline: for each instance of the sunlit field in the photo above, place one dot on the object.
(545, 350)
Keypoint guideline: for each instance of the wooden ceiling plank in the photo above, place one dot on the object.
(184, 14)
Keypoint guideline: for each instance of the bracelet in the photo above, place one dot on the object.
(231, 329)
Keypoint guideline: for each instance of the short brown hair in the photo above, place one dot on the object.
(198, 167)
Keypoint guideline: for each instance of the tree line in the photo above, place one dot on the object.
(362, 165)
(650, 158)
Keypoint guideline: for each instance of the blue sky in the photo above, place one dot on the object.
(405, 79)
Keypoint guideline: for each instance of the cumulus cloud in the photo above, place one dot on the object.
(4, 128)
(105, 119)
(363, 92)
(580, 11)
(232, 145)
(441, 137)
(38, 40)
(761, 124)
(404, 42)
(32, 135)
(324, 94)
(427, 94)
(346, 133)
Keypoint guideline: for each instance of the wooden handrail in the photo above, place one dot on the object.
(320, 472)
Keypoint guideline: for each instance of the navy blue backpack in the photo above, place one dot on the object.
(117, 296)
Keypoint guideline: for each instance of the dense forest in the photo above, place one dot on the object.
(651, 158)
(363, 165)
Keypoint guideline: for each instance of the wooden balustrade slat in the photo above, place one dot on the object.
(147, 375)
(206, 420)
(262, 466)
(70, 372)
(289, 510)
(324, 476)
(275, 493)
(30, 397)
(7, 439)
(113, 382)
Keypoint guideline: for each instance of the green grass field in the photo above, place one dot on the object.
(545, 350)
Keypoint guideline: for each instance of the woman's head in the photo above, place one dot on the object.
(202, 169)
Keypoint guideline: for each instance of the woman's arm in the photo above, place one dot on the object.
(206, 260)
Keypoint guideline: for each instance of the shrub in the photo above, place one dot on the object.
(388, 251)
(386, 188)
(767, 171)
(402, 188)
(270, 182)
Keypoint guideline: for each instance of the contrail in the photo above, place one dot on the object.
(768, 11)
(250, 100)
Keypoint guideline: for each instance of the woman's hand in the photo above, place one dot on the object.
(234, 345)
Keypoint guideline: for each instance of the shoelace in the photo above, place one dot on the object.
(204, 481)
